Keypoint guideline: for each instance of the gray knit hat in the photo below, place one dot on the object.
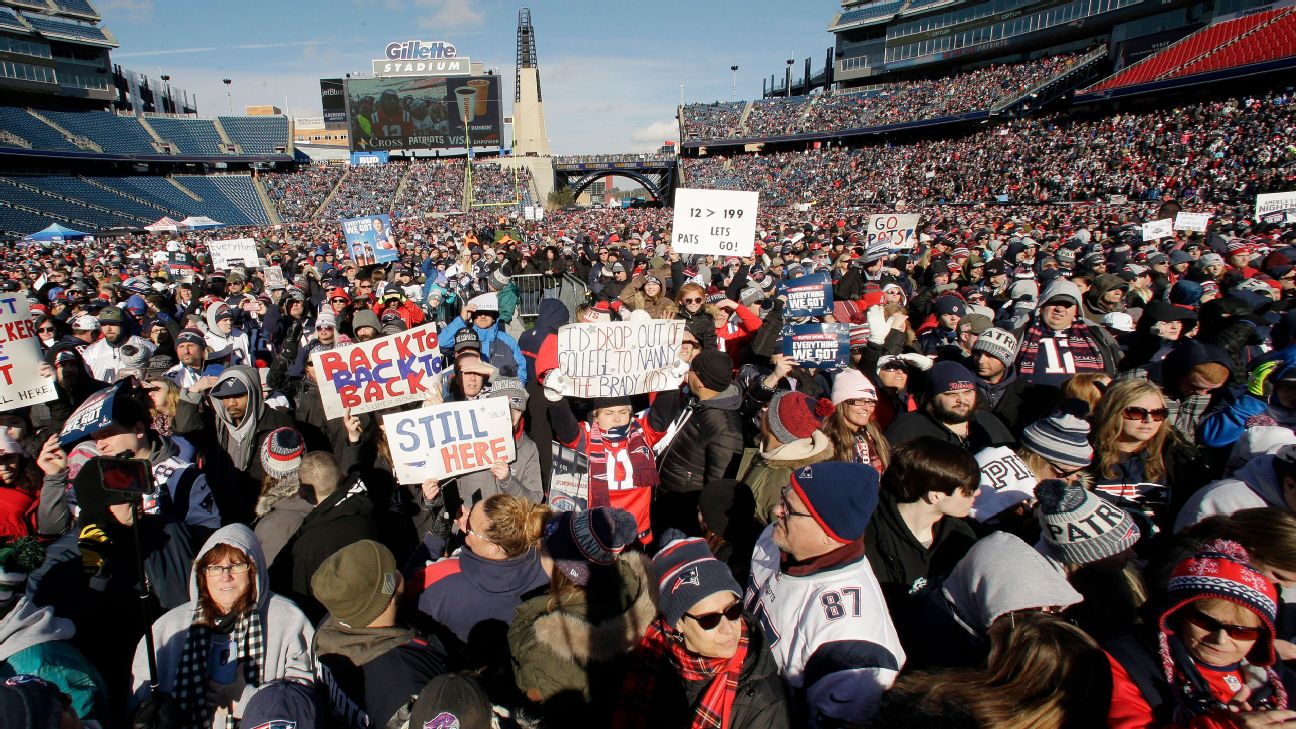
(1080, 527)
(1061, 438)
(511, 388)
(998, 343)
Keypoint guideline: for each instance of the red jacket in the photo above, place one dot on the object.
(17, 512)
(1129, 710)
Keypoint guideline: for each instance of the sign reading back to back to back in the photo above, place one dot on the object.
(20, 358)
(715, 222)
(818, 346)
(896, 231)
(380, 373)
(440, 441)
(620, 358)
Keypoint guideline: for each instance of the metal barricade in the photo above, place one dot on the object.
(533, 288)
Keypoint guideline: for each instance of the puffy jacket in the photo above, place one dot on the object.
(708, 446)
(767, 473)
(499, 349)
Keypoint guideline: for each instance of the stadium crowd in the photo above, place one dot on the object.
(1047, 482)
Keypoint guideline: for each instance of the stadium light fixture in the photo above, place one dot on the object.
(228, 96)
(735, 82)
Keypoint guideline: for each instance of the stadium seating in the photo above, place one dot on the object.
(82, 190)
(190, 136)
(9, 20)
(257, 134)
(230, 199)
(1274, 40)
(876, 10)
(115, 134)
(76, 7)
(17, 190)
(712, 121)
(1195, 50)
(33, 130)
(20, 221)
(47, 25)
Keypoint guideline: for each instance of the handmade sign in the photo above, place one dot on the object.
(440, 441)
(895, 231)
(808, 295)
(818, 346)
(1195, 222)
(236, 252)
(714, 222)
(620, 358)
(20, 358)
(377, 374)
(1158, 229)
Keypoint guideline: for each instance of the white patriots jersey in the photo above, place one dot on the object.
(830, 634)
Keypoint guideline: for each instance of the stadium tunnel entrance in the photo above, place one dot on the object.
(656, 176)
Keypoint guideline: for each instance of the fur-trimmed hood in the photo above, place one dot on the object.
(569, 634)
(799, 453)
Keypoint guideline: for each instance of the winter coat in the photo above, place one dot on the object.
(1254, 485)
(1015, 401)
(288, 635)
(498, 349)
(767, 473)
(661, 307)
(708, 446)
(465, 590)
(984, 431)
(33, 641)
(564, 651)
(701, 325)
(902, 565)
(523, 480)
(104, 358)
(371, 673)
(277, 526)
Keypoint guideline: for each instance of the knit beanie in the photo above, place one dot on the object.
(281, 454)
(192, 335)
(1061, 438)
(948, 376)
(1221, 570)
(1078, 526)
(713, 368)
(356, 583)
(31, 702)
(326, 319)
(133, 357)
(451, 701)
(687, 573)
(998, 343)
(577, 539)
(852, 384)
(282, 703)
(513, 389)
(794, 415)
(840, 497)
(1006, 481)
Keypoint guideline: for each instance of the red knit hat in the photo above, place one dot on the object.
(796, 415)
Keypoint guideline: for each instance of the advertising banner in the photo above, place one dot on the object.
(818, 346)
(423, 113)
(333, 100)
(715, 222)
(898, 232)
(377, 374)
(1270, 205)
(808, 295)
(237, 252)
(620, 358)
(20, 357)
(369, 158)
(440, 441)
(369, 240)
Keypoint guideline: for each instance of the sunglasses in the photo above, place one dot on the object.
(692, 301)
(48, 330)
(338, 301)
(1137, 413)
(1211, 625)
(711, 621)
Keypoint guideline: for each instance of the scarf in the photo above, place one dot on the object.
(663, 646)
(1082, 343)
(642, 464)
(191, 674)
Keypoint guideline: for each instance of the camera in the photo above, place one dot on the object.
(125, 479)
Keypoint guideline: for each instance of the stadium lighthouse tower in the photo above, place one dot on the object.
(529, 135)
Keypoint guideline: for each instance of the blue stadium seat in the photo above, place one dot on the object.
(119, 134)
(10, 192)
(9, 20)
(158, 189)
(230, 199)
(81, 190)
(76, 7)
(47, 25)
(40, 134)
(875, 10)
(257, 134)
(191, 136)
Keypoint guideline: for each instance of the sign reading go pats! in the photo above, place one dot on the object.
(377, 374)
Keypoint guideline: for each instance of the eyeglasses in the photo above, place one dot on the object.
(1211, 625)
(692, 301)
(788, 511)
(1062, 474)
(859, 402)
(1137, 413)
(238, 568)
(711, 621)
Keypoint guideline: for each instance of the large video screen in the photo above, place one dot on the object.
(422, 113)
(333, 100)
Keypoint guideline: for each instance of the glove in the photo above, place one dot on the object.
(93, 543)
(554, 385)
(918, 361)
(1256, 383)
(878, 324)
(679, 369)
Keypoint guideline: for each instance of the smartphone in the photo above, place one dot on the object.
(126, 477)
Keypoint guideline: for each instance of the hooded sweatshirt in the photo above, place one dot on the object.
(462, 591)
(288, 635)
(239, 440)
(35, 642)
(235, 341)
(1254, 485)
(371, 673)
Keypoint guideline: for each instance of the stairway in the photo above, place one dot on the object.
(225, 139)
(160, 145)
(183, 189)
(742, 118)
(324, 203)
(272, 212)
(77, 139)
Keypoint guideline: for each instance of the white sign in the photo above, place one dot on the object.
(533, 212)
(1274, 202)
(1195, 222)
(20, 357)
(715, 222)
(379, 373)
(1157, 229)
(895, 231)
(620, 358)
(274, 278)
(236, 252)
(440, 441)
(1117, 199)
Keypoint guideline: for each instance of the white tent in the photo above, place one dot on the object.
(165, 225)
(199, 222)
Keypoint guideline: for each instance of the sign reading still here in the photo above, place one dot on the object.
(715, 222)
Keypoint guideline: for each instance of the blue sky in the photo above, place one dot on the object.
(610, 71)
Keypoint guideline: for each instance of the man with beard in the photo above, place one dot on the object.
(191, 350)
(1015, 401)
(104, 357)
(951, 413)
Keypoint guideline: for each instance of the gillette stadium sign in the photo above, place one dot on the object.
(421, 58)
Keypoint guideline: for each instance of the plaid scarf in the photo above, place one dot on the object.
(642, 464)
(191, 675)
(661, 644)
(1082, 343)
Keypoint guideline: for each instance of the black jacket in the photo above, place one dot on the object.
(374, 670)
(1017, 402)
(984, 431)
(707, 447)
(903, 566)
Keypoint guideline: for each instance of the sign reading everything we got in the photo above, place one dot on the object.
(715, 222)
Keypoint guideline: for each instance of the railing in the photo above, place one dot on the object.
(1012, 97)
(536, 287)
